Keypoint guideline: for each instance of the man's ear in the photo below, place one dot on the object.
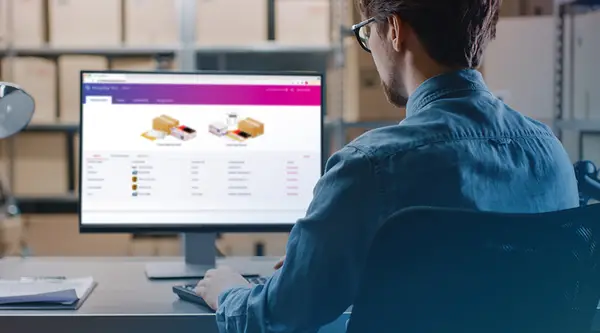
(395, 32)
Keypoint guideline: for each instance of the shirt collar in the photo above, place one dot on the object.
(439, 86)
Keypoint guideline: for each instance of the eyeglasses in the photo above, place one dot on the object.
(362, 31)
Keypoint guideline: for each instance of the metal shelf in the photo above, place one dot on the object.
(186, 54)
(62, 128)
(562, 81)
(49, 51)
(578, 125)
(269, 47)
(67, 204)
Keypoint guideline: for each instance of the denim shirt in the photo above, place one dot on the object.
(458, 147)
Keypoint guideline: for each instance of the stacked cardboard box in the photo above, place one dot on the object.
(69, 68)
(527, 8)
(4, 22)
(111, 23)
(22, 23)
(38, 77)
(58, 235)
(363, 97)
(40, 164)
(76, 153)
(85, 23)
(244, 24)
(155, 246)
(246, 244)
(5, 163)
(151, 22)
(11, 232)
(303, 22)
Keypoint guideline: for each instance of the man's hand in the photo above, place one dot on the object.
(279, 263)
(217, 281)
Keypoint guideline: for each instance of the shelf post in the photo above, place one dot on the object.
(186, 53)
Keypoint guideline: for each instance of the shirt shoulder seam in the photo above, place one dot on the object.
(449, 139)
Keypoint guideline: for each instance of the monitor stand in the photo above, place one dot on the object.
(199, 251)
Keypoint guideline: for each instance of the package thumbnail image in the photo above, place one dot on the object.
(243, 130)
(164, 126)
(183, 133)
(218, 129)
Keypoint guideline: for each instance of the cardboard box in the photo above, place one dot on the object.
(69, 72)
(3, 23)
(527, 8)
(362, 97)
(169, 247)
(303, 22)
(38, 77)
(143, 247)
(252, 126)
(85, 23)
(76, 154)
(518, 67)
(22, 23)
(133, 64)
(11, 233)
(40, 164)
(231, 22)
(58, 235)
(155, 247)
(164, 123)
(28, 23)
(151, 22)
(246, 244)
(5, 163)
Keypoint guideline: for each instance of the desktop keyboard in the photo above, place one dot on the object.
(187, 292)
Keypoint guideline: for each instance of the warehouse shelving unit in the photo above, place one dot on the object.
(564, 75)
(68, 203)
(190, 57)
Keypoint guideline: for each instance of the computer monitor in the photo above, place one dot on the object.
(198, 153)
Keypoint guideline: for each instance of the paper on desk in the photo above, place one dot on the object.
(66, 291)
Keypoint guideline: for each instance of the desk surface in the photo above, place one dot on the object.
(122, 284)
(124, 300)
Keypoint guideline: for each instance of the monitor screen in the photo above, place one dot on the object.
(177, 150)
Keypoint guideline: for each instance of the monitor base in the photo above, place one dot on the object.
(199, 256)
(182, 271)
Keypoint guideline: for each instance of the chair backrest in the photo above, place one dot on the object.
(433, 270)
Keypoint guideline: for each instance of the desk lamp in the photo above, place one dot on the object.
(16, 110)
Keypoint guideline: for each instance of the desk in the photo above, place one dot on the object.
(124, 300)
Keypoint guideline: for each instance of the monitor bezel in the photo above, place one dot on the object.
(192, 228)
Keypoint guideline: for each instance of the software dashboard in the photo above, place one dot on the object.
(170, 148)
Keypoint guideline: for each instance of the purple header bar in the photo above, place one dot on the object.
(205, 94)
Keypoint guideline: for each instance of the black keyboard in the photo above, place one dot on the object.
(187, 292)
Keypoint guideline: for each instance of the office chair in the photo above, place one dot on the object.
(436, 270)
(587, 181)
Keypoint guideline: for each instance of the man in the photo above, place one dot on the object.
(459, 146)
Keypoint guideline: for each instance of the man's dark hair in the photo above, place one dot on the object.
(454, 33)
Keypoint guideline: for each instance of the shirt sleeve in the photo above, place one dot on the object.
(325, 256)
